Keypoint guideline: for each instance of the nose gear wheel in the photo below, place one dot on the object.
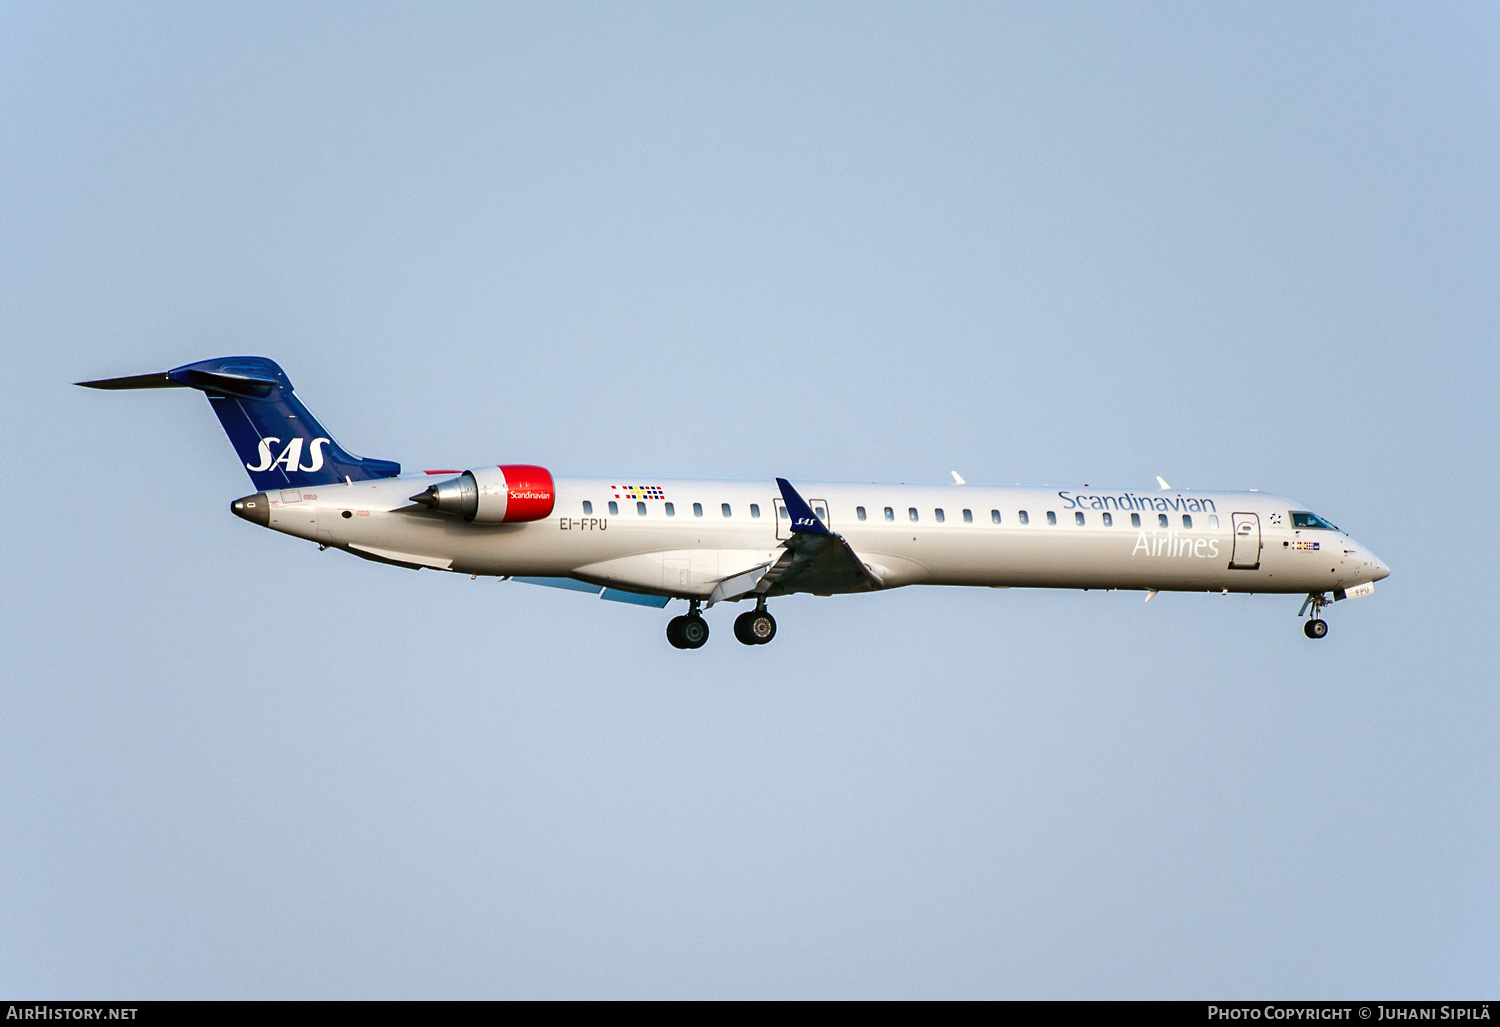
(1317, 627)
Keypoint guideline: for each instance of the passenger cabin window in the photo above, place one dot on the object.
(859, 512)
(937, 515)
(1187, 520)
(724, 508)
(995, 517)
(821, 513)
(1078, 518)
(1109, 519)
(1051, 516)
(640, 509)
(671, 510)
(1213, 520)
(697, 509)
(890, 514)
(912, 513)
(1161, 521)
(754, 509)
(588, 507)
(1135, 520)
(968, 516)
(614, 507)
(1023, 518)
(1303, 519)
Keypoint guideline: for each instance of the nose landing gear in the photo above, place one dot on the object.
(757, 627)
(1317, 627)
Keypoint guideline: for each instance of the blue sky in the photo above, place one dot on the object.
(1233, 246)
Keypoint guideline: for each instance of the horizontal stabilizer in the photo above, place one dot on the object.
(191, 378)
(228, 384)
(136, 381)
(278, 440)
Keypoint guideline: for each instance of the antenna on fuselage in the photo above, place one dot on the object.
(1163, 483)
(956, 479)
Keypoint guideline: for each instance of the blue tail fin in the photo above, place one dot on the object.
(278, 440)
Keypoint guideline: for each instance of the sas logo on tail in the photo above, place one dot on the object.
(291, 456)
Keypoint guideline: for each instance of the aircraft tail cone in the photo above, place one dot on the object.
(256, 509)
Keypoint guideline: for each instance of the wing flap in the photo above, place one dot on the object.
(821, 564)
(737, 585)
(816, 560)
(616, 595)
(568, 583)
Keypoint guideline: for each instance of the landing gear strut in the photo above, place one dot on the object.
(757, 627)
(1317, 627)
(689, 631)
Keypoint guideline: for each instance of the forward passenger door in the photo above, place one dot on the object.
(1246, 542)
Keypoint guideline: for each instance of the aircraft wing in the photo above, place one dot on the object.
(816, 559)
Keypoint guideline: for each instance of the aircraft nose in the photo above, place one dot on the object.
(1377, 566)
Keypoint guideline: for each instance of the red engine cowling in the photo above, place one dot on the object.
(492, 495)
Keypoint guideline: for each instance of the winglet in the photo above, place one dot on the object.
(1163, 483)
(957, 480)
(802, 517)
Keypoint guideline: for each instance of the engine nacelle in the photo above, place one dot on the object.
(491, 495)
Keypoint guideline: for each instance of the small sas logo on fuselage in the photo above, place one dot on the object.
(291, 455)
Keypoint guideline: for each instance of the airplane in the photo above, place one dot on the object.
(649, 541)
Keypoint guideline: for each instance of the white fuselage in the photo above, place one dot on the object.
(905, 535)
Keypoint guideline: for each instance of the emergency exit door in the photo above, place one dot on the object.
(1246, 542)
(784, 522)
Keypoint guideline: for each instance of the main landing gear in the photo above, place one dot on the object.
(756, 627)
(689, 631)
(1317, 627)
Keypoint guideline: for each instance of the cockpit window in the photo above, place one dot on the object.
(1303, 519)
